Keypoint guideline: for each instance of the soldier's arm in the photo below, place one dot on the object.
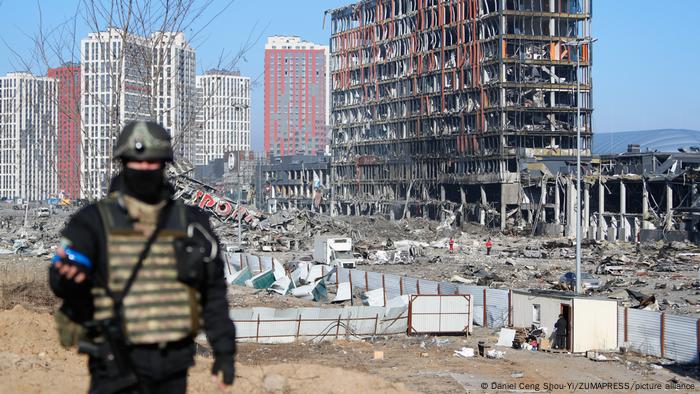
(218, 326)
(79, 242)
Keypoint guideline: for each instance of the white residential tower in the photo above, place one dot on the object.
(174, 89)
(28, 121)
(224, 115)
(116, 72)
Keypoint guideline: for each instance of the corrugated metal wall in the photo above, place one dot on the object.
(496, 299)
(644, 331)
(621, 326)
(680, 338)
(428, 287)
(497, 307)
(392, 283)
(680, 334)
(254, 262)
(643, 327)
(268, 325)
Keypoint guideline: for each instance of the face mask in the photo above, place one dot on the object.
(146, 185)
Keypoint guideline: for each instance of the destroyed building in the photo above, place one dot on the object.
(299, 181)
(436, 103)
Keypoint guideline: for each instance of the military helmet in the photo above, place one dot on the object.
(144, 140)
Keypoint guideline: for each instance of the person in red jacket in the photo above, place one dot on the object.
(489, 244)
(452, 245)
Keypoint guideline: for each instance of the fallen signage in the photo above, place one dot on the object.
(204, 196)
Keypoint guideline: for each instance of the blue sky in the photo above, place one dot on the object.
(645, 68)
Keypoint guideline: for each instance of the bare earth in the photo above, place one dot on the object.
(31, 361)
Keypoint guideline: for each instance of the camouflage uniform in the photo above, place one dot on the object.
(161, 314)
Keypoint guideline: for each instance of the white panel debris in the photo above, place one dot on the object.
(374, 297)
(281, 285)
(506, 337)
(343, 292)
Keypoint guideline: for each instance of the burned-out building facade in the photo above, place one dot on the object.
(289, 182)
(437, 103)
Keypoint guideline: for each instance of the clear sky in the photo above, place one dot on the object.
(645, 70)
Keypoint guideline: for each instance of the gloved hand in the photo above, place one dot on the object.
(71, 265)
(223, 363)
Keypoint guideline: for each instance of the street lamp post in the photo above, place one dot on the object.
(577, 44)
(240, 240)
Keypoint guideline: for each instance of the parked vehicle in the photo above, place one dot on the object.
(43, 212)
(334, 251)
(588, 281)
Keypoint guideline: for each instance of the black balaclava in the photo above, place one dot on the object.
(145, 185)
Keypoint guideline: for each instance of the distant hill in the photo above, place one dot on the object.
(662, 140)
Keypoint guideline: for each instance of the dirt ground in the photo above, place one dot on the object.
(31, 361)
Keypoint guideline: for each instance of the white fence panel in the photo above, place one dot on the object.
(497, 307)
(644, 331)
(680, 339)
(374, 279)
(410, 285)
(620, 326)
(392, 286)
(440, 314)
(428, 287)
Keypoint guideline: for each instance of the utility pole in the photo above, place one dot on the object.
(578, 172)
(577, 44)
(238, 173)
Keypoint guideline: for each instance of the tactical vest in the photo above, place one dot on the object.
(158, 308)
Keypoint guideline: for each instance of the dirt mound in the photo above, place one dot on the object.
(24, 281)
(32, 361)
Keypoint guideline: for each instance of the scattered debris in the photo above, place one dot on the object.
(465, 352)
(374, 297)
(343, 293)
(493, 353)
(506, 337)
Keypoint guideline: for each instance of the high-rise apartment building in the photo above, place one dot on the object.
(28, 119)
(223, 117)
(174, 89)
(67, 79)
(296, 96)
(115, 67)
(442, 102)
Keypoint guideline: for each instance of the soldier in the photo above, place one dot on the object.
(138, 271)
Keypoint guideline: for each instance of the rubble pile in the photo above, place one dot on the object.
(282, 231)
(24, 232)
(668, 271)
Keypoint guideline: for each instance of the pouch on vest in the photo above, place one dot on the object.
(192, 255)
(69, 332)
